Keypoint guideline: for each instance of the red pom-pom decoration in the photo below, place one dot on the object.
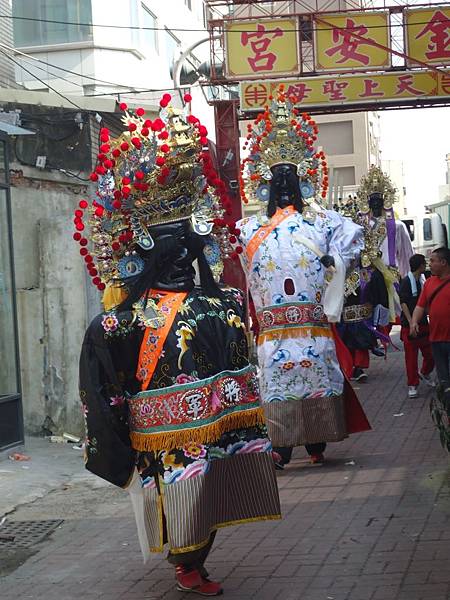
(83, 251)
(123, 106)
(101, 286)
(96, 280)
(126, 191)
(165, 148)
(163, 135)
(140, 112)
(115, 246)
(105, 148)
(79, 226)
(132, 127)
(117, 204)
(204, 141)
(77, 236)
(116, 152)
(126, 180)
(145, 131)
(93, 177)
(83, 204)
(136, 142)
(99, 211)
(147, 123)
(78, 213)
(108, 163)
(104, 130)
(124, 146)
(104, 137)
(160, 161)
(187, 98)
(100, 170)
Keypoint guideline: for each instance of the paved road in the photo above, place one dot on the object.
(373, 523)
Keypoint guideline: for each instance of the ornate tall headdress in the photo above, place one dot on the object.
(376, 181)
(282, 134)
(374, 233)
(155, 172)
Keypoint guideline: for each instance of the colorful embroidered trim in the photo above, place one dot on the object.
(266, 230)
(154, 339)
(358, 312)
(296, 319)
(199, 411)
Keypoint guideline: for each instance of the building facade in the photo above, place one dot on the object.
(395, 169)
(92, 66)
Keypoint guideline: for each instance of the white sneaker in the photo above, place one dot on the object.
(412, 391)
(427, 379)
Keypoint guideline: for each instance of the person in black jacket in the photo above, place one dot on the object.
(410, 288)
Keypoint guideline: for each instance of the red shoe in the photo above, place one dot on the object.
(317, 459)
(192, 581)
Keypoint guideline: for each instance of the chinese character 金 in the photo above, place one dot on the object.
(262, 60)
(348, 49)
(439, 27)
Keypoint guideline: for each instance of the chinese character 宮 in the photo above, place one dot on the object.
(259, 41)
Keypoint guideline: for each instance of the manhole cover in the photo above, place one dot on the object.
(26, 533)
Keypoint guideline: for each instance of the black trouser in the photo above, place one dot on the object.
(286, 451)
(194, 559)
(441, 355)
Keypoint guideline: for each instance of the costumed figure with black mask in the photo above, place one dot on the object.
(171, 402)
(295, 258)
(372, 304)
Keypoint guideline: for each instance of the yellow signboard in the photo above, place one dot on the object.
(349, 89)
(266, 47)
(428, 36)
(352, 41)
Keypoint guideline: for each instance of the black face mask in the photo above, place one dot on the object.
(376, 201)
(174, 270)
(284, 189)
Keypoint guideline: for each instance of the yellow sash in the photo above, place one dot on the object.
(264, 231)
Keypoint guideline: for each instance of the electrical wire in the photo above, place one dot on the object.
(29, 56)
(187, 29)
(45, 84)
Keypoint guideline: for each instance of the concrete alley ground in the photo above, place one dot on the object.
(373, 523)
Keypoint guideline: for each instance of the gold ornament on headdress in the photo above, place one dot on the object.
(375, 181)
(283, 135)
(155, 172)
